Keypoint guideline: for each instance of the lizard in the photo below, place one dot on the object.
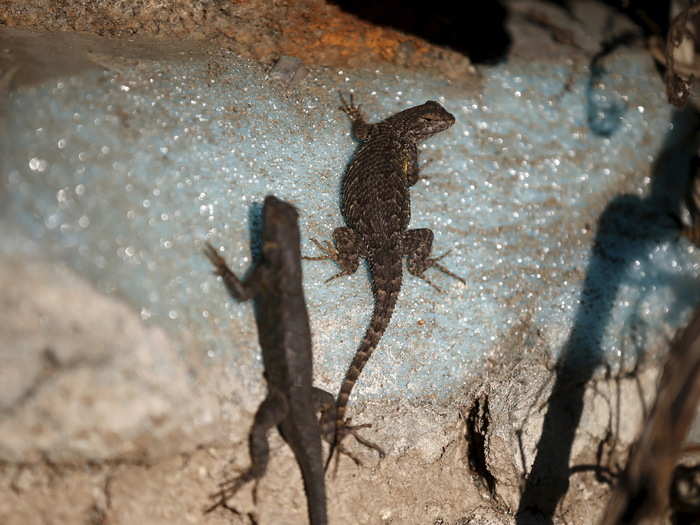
(284, 335)
(375, 203)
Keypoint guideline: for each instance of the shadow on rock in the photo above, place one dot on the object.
(628, 229)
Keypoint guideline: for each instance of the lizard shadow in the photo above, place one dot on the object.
(628, 229)
(256, 224)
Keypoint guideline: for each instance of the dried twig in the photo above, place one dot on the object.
(643, 490)
(680, 45)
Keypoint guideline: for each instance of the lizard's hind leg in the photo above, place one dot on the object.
(346, 252)
(326, 405)
(417, 245)
(352, 430)
(269, 414)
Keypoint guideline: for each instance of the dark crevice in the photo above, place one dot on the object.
(107, 489)
(96, 516)
(650, 15)
(478, 420)
(685, 495)
(479, 32)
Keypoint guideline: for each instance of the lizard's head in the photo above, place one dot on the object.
(421, 122)
(280, 230)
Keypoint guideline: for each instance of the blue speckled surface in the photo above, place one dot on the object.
(122, 175)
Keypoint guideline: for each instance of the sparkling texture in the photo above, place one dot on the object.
(123, 175)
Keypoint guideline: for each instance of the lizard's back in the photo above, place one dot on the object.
(285, 339)
(284, 334)
(375, 198)
(377, 210)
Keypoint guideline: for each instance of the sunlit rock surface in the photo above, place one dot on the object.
(122, 174)
(130, 378)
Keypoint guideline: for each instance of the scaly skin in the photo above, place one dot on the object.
(377, 210)
(292, 402)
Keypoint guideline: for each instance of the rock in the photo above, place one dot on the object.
(83, 377)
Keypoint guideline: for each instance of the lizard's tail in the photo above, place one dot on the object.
(386, 284)
(386, 292)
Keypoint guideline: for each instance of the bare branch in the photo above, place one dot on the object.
(643, 489)
(680, 44)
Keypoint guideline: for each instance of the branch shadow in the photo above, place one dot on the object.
(604, 107)
(628, 229)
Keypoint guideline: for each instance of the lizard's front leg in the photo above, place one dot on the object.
(240, 290)
(360, 127)
(347, 251)
(417, 245)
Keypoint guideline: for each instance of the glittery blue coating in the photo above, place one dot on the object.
(122, 175)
